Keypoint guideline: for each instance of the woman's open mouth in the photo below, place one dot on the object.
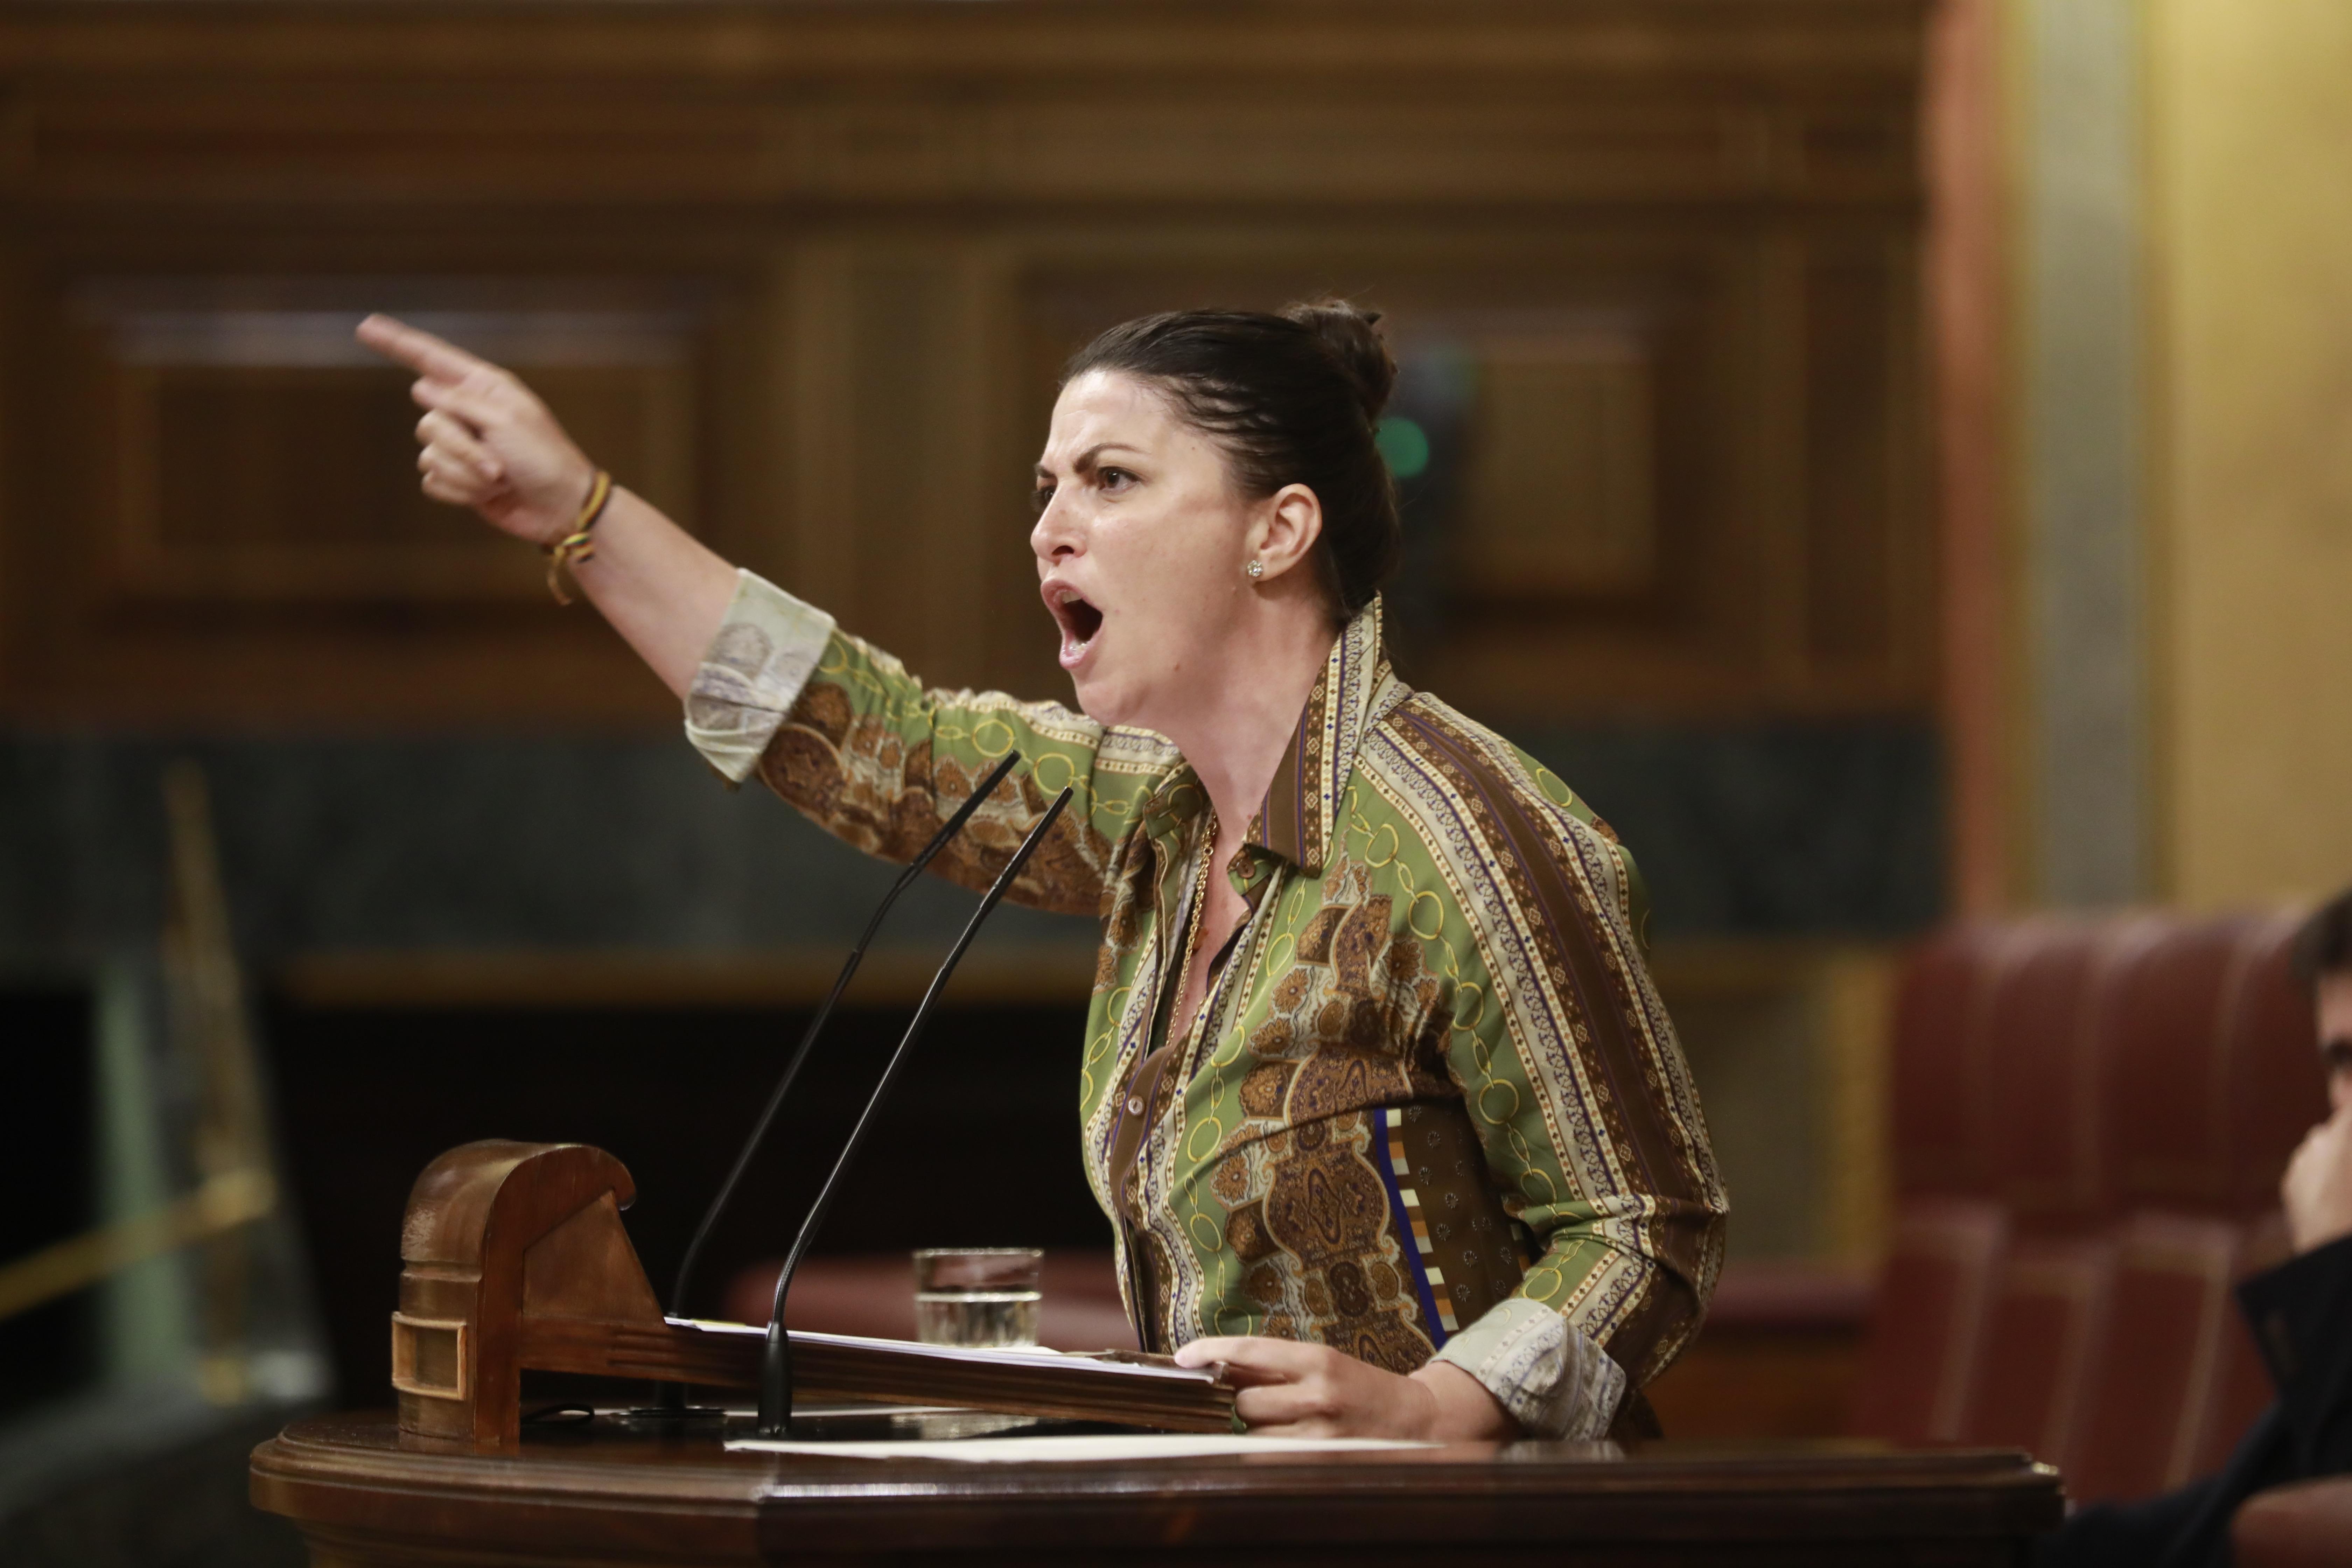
(1079, 621)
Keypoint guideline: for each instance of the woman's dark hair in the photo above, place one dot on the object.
(1293, 398)
(2324, 945)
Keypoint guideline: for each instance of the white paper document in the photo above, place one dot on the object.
(1066, 1450)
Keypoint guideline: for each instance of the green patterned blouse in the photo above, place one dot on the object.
(1432, 1105)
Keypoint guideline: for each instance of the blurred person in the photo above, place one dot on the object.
(2301, 1314)
(1364, 963)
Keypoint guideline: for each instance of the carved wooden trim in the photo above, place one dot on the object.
(407, 1337)
(1658, 102)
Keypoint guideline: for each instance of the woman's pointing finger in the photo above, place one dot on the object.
(421, 351)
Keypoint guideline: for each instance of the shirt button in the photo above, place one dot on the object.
(1135, 1105)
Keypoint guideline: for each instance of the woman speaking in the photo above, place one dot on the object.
(1376, 1088)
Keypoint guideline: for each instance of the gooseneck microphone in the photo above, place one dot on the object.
(776, 1355)
(986, 787)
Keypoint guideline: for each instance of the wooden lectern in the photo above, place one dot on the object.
(514, 1257)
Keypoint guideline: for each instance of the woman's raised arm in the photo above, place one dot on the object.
(490, 443)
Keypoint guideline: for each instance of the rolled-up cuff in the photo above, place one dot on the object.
(1555, 1382)
(751, 674)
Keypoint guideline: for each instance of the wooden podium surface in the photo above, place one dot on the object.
(366, 1495)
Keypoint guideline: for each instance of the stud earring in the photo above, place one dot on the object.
(1257, 570)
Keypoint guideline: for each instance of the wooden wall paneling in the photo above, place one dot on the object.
(901, 481)
(974, 481)
(822, 478)
(1659, 596)
(260, 453)
(1915, 514)
(1865, 552)
(1857, 45)
(1697, 636)
(879, 199)
(960, 495)
(1504, 145)
(1560, 497)
(233, 526)
(897, 425)
(1774, 450)
(744, 424)
(16, 135)
(1007, 626)
(72, 491)
(1688, 102)
(1848, 493)
(202, 135)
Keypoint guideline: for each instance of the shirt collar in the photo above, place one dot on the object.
(1297, 819)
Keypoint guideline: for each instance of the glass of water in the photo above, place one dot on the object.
(977, 1295)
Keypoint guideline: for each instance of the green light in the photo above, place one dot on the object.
(1405, 447)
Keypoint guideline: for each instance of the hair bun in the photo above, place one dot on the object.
(1353, 338)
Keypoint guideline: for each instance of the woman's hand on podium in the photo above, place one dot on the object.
(488, 442)
(1294, 1390)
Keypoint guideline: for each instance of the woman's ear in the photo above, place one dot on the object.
(1289, 522)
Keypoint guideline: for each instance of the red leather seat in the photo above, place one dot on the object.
(2044, 1139)
(2166, 1064)
(2158, 1372)
(2042, 1332)
(1919, 1357)
(1940, 1081)
(2090, 1119)
(1927, 1318)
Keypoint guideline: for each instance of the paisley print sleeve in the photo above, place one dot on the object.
(751, 674)
(867, 753)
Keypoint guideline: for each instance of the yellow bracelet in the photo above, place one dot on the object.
(567, 553)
